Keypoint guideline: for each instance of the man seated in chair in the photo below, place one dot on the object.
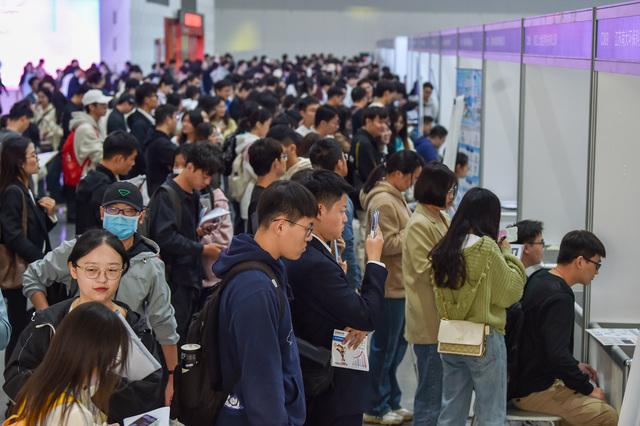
(550, 380)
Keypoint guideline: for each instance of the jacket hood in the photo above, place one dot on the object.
(143, 249)
(244, 140)
(244, 248)
(381, 187)
(81, 117)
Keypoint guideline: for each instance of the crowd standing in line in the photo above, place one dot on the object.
(175, 178)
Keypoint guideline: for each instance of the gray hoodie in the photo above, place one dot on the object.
(143, 287)
(87, 142)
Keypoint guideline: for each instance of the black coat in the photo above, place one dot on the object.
(89, 193)
(324, 301)
(137, 397)
(365, 155)
(36, 243)
(158, 150)
(141, 128)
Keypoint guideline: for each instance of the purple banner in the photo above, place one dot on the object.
(433, 43)
(567, 40)
(470, 44)
(508, 40)
(449, 44)
(619, 38)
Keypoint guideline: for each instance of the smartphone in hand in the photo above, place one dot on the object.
(374, 223)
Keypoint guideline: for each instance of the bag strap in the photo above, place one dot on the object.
(255, 265)
(444, 304)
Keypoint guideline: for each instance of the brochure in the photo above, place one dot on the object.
(140, 363)
(615, 336)
(343, 357)
(213, 215)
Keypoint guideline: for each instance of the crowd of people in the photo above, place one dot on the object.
(175, 178)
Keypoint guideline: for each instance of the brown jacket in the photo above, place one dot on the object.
(394, 216)
(422, 233)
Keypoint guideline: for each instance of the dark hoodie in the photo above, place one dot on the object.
(89, 194)
(158, 151)
(137, 397)
(257, 341)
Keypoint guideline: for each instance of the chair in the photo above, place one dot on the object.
(517, 415)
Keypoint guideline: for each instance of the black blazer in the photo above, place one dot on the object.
(38, 224)
(324, 301)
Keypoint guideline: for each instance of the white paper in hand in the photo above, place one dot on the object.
(343, 357)
(212, 215)
(140, 362)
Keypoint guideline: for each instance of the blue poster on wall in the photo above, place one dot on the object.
(469, 85)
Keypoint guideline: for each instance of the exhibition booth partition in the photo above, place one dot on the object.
(555, 116)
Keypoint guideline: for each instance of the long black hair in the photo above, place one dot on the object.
(12, 157)
(478, 213)
(404, 161)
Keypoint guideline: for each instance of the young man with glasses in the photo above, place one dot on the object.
(143, 287)
(530, 235)
(259, 360)
(550, 380)
(324, 300)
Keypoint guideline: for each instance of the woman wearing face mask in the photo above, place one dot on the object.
(383, 192)
(143, 288)
(97, 262)
(74, 382)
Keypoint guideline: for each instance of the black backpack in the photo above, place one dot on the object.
(198, 394)
(145, 228)
(229, 153)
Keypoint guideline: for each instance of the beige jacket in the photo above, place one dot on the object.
(422, 233)
(394, 216)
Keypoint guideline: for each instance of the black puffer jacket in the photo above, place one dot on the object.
(137, 397)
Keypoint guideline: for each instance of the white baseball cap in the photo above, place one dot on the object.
(95, 96)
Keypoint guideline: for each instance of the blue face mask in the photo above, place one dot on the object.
(119, 225)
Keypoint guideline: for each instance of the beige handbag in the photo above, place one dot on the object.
(457, 337)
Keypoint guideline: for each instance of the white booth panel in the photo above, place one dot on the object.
(448, 76)
(401, 51)
(434, 72)
(616, 201)
(499, 171)
(412, 71)
(424, 66)
(554, 169)
(469, 63)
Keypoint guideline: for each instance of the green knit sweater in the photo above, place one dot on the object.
(495, 280)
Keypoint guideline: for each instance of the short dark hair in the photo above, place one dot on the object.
(246, 86)
(205, 156)
(438, 132)
(221, 84)
(462, 159)
(364, 81)
(306, 101)
(191, 92)
(385, 86)
(96, 237)
(262, 154)
(528, 230)
(20, 109)
(325, 113)
(370, 113)
(325, 154)
(285, 198)
(163, 112)
(119, 143)
(434, 183)
(427, 119)
(144, 91)
(358, 93)
(427, 84)
(325, 185)
(284, 134)
(580, 243)
(45, 92)
(268, 101)
(335, 91)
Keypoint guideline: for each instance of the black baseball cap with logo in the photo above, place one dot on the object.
(123, 192)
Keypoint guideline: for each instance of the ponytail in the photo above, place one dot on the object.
(404, 161)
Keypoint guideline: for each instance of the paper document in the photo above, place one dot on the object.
(45, 157)
(213, 215)
(615, 336)
(161, 416)
(140, 363)
(343, 357)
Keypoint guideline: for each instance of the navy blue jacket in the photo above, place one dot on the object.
(255, 339)
(324, 301)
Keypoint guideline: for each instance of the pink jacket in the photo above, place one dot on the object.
(221, 234)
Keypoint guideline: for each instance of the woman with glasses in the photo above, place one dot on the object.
(383, 191)
(18, 162)
(97, 262)
(475, 278)
(434, 191)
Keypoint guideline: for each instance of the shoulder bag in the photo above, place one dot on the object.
(459, 337)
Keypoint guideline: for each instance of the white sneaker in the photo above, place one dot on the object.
(404, 413)
(389, 418)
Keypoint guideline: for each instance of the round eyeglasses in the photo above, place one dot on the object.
(93, 272)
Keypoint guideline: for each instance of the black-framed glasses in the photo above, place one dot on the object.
(93, 272)
(127, 212)
(309, 229)
(538, 242)
(598, 265)
(453, 191)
